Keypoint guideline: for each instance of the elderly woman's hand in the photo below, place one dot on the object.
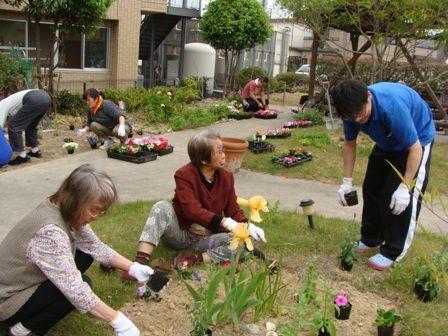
(140, 272)
(256, 232)
(124, 326)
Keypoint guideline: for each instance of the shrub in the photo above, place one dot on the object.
(312, 115)
(11, 74)
(199, 85)
(70, 103)
(197, 116)
(276, 85)
(245, 75)
(292, 79)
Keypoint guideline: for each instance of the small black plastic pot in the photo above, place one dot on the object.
(344, 312)
(94, 145)
(422, 294)
(207, 333)
(323, 332)
(72, 127)
(345, 266)
(70, 151)
(385, 331)
(351, 198)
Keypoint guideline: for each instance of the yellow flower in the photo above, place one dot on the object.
(255, 205)
(241, 235)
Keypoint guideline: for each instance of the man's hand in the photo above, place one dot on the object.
(121, 131)
(400, 199)
(345, 188)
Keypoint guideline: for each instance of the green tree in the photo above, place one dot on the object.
(232, 26)
(67, 16)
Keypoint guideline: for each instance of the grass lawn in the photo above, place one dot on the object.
(326, 165)
(289, 237)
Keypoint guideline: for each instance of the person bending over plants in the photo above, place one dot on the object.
(45, 256)
(203, 212)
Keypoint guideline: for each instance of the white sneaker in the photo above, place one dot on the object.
(363, 248)
(380, 262)
(107, 144)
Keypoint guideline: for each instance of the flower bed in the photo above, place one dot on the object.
(266, 114)
(292, 158)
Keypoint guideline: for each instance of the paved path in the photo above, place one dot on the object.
(22, 189)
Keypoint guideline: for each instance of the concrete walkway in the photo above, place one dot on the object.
(22, 189)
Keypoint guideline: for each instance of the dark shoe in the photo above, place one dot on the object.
(38, 154)
(19, 160)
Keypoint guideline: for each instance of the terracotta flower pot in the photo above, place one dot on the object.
(234, 149)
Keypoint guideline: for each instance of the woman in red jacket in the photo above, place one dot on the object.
(203, 212)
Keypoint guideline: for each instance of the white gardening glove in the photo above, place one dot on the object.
(121, 131)
(140, 272)
(400, 199)
(256, 233)
(345, 188)
(229, 224)
(124, 326)
(81, 132)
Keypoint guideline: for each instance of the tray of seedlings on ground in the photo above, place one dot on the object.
(239, 115)
(130, 153)
(266, 114)
(299, 123)
(259, 145)
(292, 157)
(278, 133)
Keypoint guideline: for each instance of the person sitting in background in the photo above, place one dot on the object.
(44, 258)
(105, 119)
(203, 212)
(25, 110)
(253, 95)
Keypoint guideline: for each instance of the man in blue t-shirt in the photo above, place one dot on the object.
(400, 122)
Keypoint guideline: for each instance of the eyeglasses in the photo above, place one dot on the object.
(96, 213)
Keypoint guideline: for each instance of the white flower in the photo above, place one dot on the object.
(159, 92)
(263, 137)
(162, 105)
(69, 145)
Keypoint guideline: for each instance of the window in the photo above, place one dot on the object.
(46, 41)
(70, 51)
(96, 50)
(12, 33)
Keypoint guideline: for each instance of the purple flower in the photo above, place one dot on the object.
(141, 291)
(197, 276)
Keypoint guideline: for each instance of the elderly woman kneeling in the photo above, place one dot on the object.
(203, 212)
(45, 255)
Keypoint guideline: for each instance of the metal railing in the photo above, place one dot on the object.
(189, 4)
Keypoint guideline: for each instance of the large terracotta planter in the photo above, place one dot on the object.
(234, 149)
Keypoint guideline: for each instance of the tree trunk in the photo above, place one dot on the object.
(314, 51)
(354, 39)
(226, 72)
(420, 76)
(38, 60)
(51, 68)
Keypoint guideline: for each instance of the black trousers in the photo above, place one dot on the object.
(252, 105)
(35, 105)
(47, 306)
(378, 223)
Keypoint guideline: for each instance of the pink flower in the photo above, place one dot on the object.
(341, 300)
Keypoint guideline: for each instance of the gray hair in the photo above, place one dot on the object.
(200, 146)
(83, 189)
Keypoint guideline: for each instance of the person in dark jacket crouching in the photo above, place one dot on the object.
(105, 119)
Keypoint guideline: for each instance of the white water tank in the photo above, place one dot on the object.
(199, 61)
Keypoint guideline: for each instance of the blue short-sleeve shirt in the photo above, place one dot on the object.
(399, 118)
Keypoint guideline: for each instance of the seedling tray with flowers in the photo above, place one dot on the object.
(300, 123)
(131, 153)
(266, 114)
(292, 158)
(158, 145)
(278, 133)
(258, 145)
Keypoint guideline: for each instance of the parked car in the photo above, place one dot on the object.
(304, 70)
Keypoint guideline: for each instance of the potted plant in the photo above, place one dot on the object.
(71, 126)
(348, 254)
(322, 321)
(93, 141)
(385, 321)
(70, 147)
(343, 307)
(234, 149)
(259, 145)
(426, 286)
